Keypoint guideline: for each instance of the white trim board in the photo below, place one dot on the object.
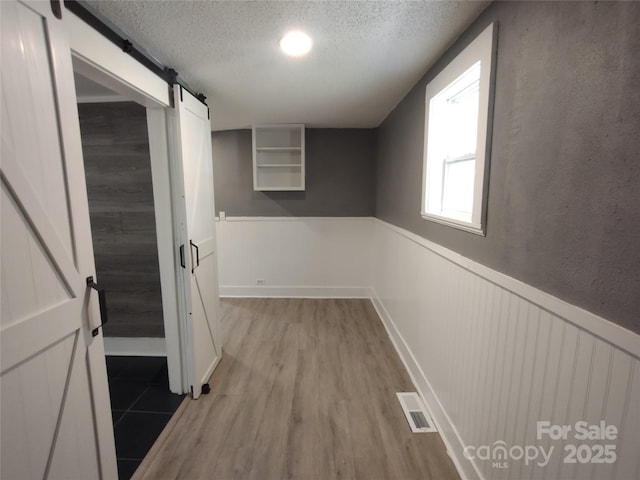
(612, 333)
(102, 61)
(102, 99)
(135, 346)
(294, 219)
(295, 292)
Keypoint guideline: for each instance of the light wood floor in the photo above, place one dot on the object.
(305, 390)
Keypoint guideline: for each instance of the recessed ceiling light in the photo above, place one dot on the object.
(296, 43)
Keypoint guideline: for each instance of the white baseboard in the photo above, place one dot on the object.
(134, 346)
(295, 292)
(448, 432)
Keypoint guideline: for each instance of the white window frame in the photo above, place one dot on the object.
(483, 49)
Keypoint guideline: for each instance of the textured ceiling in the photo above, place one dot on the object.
(365, 58)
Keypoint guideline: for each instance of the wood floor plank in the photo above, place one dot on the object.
(213, 433)
(305, 390)
(179, 448)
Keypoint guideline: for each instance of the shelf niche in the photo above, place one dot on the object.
(278, 157)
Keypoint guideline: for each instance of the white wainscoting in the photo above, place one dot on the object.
(491, 356)
(295, 256)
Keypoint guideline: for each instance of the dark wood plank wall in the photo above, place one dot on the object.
(118, 171)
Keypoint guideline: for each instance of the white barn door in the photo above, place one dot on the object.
(198, 236)
(55, 414)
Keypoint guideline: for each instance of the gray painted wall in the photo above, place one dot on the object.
(115, 145)
(340, 169)
(564, 193)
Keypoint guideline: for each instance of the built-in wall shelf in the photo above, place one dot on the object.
(278, 157)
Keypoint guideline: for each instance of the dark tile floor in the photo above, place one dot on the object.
(141, 406)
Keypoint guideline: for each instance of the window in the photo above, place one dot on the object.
(457, 143)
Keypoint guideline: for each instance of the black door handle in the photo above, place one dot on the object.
(102, 300)
(197, 256)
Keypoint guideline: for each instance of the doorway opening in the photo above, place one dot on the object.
(178, 126)
(120, 188)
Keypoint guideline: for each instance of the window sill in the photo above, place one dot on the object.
(470, 227)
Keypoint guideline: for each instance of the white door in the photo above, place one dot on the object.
(55, 414)
(198, 237)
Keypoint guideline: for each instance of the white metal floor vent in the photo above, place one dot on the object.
(416, 413)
